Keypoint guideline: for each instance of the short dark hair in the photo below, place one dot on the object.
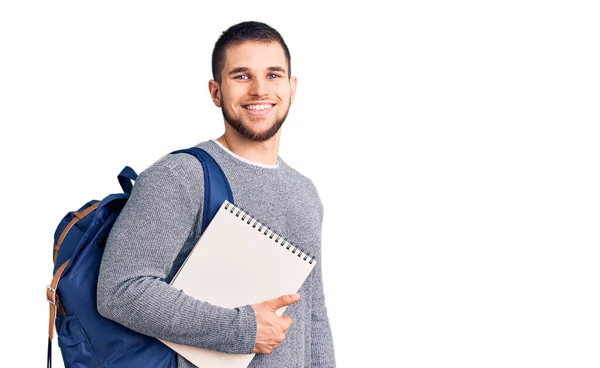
(242, 32)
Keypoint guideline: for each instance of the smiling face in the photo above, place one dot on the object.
(255, 93)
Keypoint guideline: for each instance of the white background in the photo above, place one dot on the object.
(455, 147)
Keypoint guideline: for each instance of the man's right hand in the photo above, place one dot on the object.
(270, 328)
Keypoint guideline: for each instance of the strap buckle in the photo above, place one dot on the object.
(51, 295)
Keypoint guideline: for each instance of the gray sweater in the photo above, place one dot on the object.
(157, 229)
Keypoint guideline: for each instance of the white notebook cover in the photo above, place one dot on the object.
(234, 264)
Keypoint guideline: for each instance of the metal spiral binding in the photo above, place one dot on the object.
(245, 214)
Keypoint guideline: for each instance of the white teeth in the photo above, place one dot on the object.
(258, 107)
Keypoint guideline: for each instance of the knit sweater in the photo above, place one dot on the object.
(158, 228)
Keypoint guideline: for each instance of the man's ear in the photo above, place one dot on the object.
(215, 92)
(293, 82)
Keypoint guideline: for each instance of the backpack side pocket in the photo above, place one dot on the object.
(74, 344)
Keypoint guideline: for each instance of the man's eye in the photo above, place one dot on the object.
(273, 76)
(243, 77)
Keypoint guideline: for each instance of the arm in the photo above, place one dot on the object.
(140, 251)
(323, 355)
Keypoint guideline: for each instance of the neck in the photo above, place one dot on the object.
(266, 152)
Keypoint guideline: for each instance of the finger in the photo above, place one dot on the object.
(287, 321)
(284, 300)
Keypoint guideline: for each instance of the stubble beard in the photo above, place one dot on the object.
(247, 132)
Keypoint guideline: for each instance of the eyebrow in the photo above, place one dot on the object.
(277, 69)
(243, 69)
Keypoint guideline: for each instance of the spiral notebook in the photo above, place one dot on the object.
(238, 261)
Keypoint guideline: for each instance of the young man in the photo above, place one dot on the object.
(161, 222)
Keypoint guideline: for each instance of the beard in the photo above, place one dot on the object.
(246, 131)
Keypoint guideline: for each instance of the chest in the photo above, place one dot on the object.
(295, 219)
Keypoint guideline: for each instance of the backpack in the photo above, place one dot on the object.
(87, 339)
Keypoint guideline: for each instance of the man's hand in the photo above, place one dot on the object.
(270, 328)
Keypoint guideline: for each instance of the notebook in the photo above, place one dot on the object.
(238, 261)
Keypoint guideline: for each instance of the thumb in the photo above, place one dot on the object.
(284, 300)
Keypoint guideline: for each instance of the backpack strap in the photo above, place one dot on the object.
(216, 185)
(126, 176)
(78, 216)
(53, 298)
(54, 304)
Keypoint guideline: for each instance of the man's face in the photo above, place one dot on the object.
(255, 93)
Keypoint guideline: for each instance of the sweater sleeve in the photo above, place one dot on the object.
(322, 350)
(140, 251)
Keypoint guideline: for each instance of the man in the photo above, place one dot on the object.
(160, 224)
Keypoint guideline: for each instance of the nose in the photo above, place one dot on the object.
(258, 87)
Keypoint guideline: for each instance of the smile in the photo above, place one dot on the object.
(258, 109)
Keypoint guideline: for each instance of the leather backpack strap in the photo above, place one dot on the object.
(54, 305)
(53, 298)
(78, 216)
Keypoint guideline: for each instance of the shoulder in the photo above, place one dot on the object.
(303, 185)
(180, 164)
(178, 167)
(175, 172)
(296, 176)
